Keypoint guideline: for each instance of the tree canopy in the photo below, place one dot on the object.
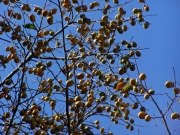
(67, 67)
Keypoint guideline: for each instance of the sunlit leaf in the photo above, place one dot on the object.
(29, 26)
(127, 88)
(120, 85)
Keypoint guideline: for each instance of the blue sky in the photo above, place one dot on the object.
(162, 39)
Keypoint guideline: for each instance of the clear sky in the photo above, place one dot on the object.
(162, 38)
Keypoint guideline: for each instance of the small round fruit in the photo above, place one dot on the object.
(123, 42)
(96, 122)
(7, 28)
(19, 16)
(121, 71)
(2, 23)
(132, 22)
(174, 115)
(53, 130)
(110, 133)
(88, 104)
(49, 49)
(32, 17)
(53, 103)
(141, 1)
(147, 118)
(23, 95)
(52, 33)
(49, 64)
(77, 98)
(169, 84)
(116, 1)
(35, 112)
(135, 10)
(44, 13)
(7, 115)
(143, 109)
(108, 108)
(131, 128)
(24, 7)
(124, 28)
(142, 76)
(138, 53)
(80, 76)
(46, 32)
(176, 90)
(151, 92)
(99, 109)
(78, 104)
(102, 130)
(6, 2)
(37, 132)
(69, 83)
(134, 44)
(142, 90)
(134, 106)
(8, 81)
(22, 112)
(146, 96)
(131, 120)
(146, 8)
(53, 11)
(74, 1)
(146, 25)
(50, 19)
(133, 82)
(141, 115)
(132, 67)
(41, 34)
(28, 9)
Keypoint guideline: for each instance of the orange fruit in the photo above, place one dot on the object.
(174, 115)
(80, 76)
(141, 115)
(41, 34)
(7, 115)
(44, 13)
(8, 28)
(169, 84)
(133, 82)
(53, 11)
(147, 118)
(142, 76)
(99, 109)
(176, 90)
(50, 19)
(146, 8)
(78, 103)
(146, 96)
(69, 83)
(146, 25)
(32, 17)
(88, 104)
(141, 1)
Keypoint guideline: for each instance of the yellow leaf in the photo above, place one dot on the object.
(120, 85)
(127, 88)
